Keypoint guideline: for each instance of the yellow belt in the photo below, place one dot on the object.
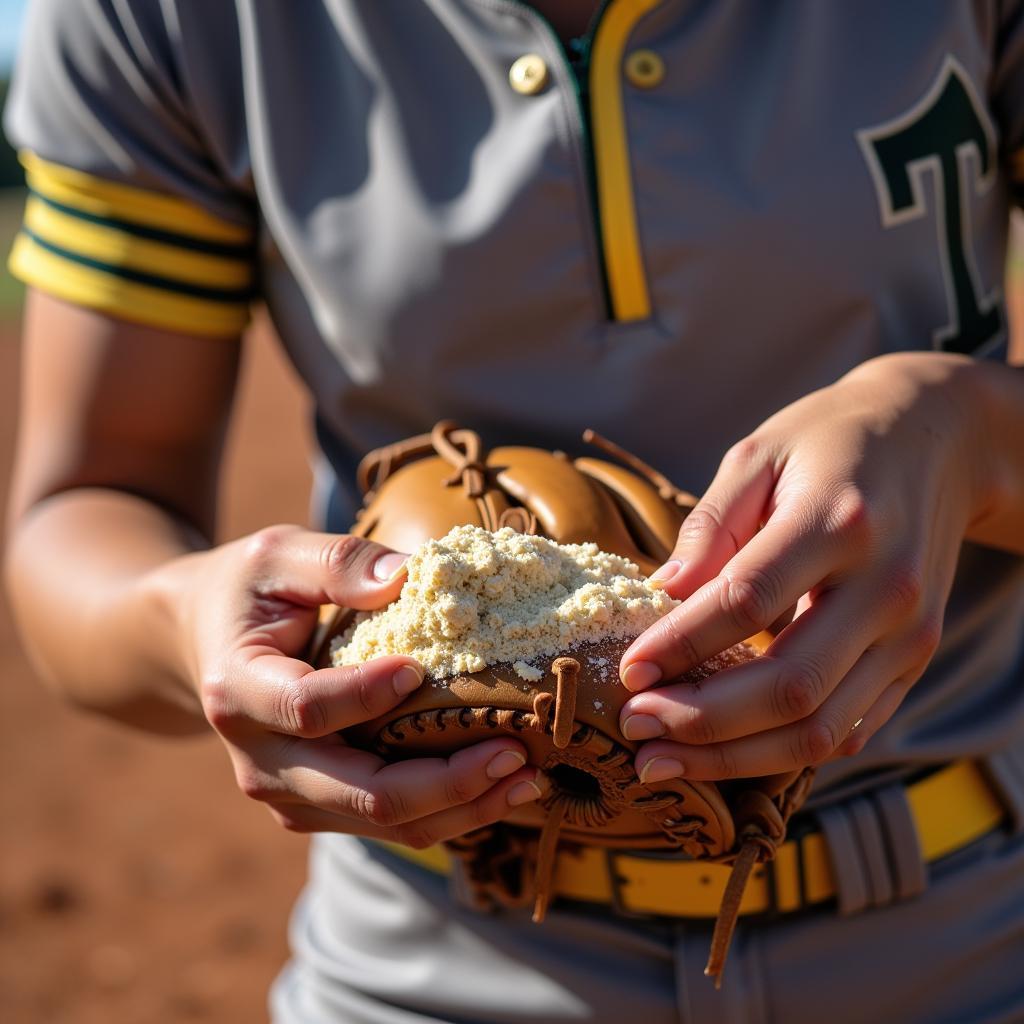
(951, 808)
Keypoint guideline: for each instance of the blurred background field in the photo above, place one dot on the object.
(136, 883)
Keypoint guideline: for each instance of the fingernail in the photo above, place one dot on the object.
(658, 769)
(389, 567)
(642, 727)
(659, 578)
(523, 793)
(505, 763)
(406, 679)
(640, 675)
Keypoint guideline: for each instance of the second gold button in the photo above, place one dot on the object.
(644, 69)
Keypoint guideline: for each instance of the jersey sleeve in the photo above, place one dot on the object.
(128, 212)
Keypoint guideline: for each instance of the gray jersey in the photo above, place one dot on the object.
(702, 211)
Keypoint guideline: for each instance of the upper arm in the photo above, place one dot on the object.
(138, 247)
(110, 403)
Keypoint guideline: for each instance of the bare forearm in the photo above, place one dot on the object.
(120, 433)
(1000, 402)
(976, 417)
(85, 573)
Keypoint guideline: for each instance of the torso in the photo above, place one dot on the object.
(431, 244)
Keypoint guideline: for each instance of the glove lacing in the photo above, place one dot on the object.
(566, 672)
(761, 828)
(666, 489)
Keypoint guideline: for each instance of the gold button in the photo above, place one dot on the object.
(644, 69)
(529, 74)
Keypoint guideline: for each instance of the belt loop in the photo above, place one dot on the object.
(772, 883)
(877, 867)
(851, 885)
(871, 861)
(1005, 771)
(909, 870)
(801, 870)
(875, 850)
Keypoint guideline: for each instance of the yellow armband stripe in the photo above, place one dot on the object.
(152, 258)
(116, 248)
(109, 199)
(111, 293)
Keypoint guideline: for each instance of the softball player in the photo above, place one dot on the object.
(772, 230)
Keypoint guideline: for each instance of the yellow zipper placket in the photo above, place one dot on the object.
(620, 241)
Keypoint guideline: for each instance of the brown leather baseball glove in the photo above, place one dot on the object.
(417, 490)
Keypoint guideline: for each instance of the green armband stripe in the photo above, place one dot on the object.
(101, 197)
(111, 247)
(89, 284)
(240, 251)
(166, 284)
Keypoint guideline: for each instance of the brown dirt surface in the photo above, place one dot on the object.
(138, 884)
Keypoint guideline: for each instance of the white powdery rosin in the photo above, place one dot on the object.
(476, 598)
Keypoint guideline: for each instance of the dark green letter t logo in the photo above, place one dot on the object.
(948, 133)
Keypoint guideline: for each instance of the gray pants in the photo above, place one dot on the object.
(378, 940)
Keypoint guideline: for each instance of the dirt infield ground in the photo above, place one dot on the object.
(137, 885)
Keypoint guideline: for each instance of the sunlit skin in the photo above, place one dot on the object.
(851, 506)
(866, 491)
(128, 610)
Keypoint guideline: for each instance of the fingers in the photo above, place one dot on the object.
(360, 785)
(307, 568)
(865, 694)
(328, 786)
(782, 563)
(796, 675)
(881, 711)
(725, 518)
(519, 789)
(805, 545)
(796, 705)
(271, 692)
(323, 785)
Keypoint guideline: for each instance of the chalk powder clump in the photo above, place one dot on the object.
(476, 598)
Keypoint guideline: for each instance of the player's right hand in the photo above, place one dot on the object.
(248, 609)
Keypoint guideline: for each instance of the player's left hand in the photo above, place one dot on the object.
(850, 506)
